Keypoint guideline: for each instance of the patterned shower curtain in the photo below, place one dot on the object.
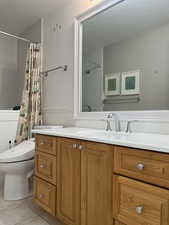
(30, 112)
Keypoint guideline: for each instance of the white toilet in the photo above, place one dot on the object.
(17, 165)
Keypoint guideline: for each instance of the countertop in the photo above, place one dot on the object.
(147, 141)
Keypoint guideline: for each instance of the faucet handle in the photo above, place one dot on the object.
(110, 116)
(128, 128)
(129, 122)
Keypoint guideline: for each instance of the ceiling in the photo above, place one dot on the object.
(17, 15)
(124, 21)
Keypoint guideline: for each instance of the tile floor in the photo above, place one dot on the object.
(23, 212)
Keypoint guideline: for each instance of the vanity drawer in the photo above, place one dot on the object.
(46, 144)
(138, 203)
(45, 167)
(151, 167)
(45, 195)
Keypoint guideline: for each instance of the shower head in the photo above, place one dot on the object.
(88, 71)
(97, 66)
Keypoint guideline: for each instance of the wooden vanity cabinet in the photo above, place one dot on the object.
(88, 183)
(45, 195)
(118, 223)
(96, 184)
(78, 178)
(69, 181)
(84, 182)
(138, 203)
(148, 166)
(45, 167)
(46, 144)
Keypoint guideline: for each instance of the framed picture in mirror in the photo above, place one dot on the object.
(112, 84)
(130, 83)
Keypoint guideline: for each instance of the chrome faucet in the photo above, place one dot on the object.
(116, 120)
(128, 129)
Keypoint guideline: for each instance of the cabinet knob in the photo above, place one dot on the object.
(41, 196)
(42, 143)
(42, 166)
(139, 210)
(80, 147)
(74, 146)
(140, 166)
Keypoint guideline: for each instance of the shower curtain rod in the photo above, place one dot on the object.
(14, 36)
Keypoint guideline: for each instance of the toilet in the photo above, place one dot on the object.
(17, 166)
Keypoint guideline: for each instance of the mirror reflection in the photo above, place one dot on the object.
(125, 60)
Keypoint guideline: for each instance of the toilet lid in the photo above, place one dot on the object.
(21, 152)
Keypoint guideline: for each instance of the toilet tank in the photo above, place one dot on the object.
(8, 127)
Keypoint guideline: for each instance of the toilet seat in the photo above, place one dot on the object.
(23, 152)
(17, 161)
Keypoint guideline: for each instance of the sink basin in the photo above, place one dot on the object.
(101, 133)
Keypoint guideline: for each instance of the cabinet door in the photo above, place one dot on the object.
(97, 161)
(68, 181)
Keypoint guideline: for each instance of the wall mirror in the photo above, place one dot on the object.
(123, 56)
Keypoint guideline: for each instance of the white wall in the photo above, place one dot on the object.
(59, 50)
(92, 84)
(12, 66)
(33, 32)
(148, 53)
(9, 82)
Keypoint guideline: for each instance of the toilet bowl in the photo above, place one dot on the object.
(17, 165)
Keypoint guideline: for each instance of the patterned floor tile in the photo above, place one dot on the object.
(24, 212)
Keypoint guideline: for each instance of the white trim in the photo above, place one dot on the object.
(162, 115)
(57, 110)
(78, 49)
(42, 43)
(97, 9)
(124, 115)
(9, 111)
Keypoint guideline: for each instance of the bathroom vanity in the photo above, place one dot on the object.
(85, 182)
(94, 177)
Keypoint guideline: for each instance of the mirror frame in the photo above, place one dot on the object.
(161, 115)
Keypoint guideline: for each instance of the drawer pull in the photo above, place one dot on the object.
(81, 147)
(42, 166)
(74, 146)
(41, 196)
(139, 210)
(140, 166)
(42, 143)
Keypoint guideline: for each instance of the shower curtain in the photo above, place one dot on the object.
(30, 111)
